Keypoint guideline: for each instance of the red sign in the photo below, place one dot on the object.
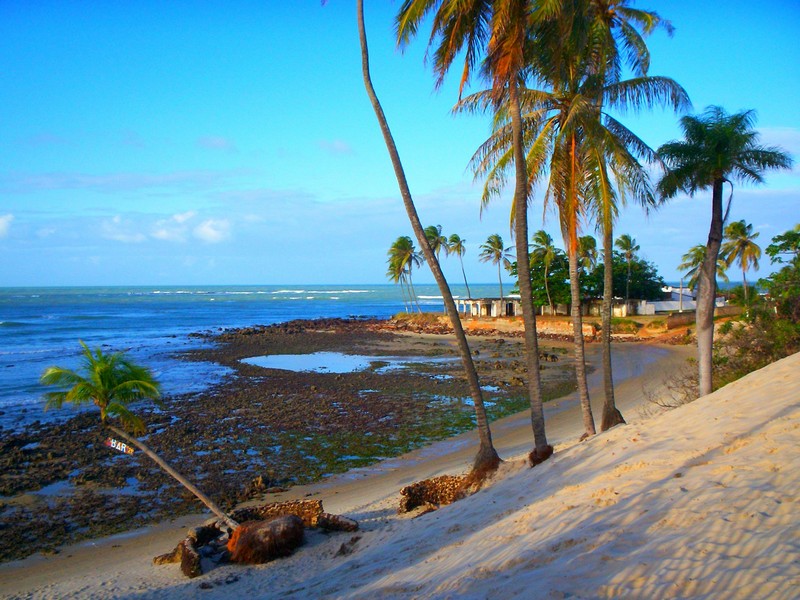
(117, 445)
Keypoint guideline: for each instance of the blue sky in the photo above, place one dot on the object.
(184, 143)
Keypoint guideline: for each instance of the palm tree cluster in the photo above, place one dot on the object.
(403, 257)
(555, 70)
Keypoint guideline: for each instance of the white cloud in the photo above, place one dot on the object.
(174, 229)
(335, 146)
(121, 230)
(5, 224)
(212, 230)
(215, 142)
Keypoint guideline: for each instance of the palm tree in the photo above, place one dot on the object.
(693, 260)
(717, 148)
(742, 248)
(587, 252)
(628, 246)
(437, 241)
(112, 382)
(457, 246)
(487, 458)
(493, 251)
(403, 257)
(544, 251)
(496, 31)
(617, 32)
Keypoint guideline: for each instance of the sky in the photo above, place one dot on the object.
(200, 143)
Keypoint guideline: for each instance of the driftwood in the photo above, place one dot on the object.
(215, 541)
(257, 542)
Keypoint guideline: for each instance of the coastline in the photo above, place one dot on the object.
(350, 492)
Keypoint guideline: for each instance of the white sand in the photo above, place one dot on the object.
(699, 502)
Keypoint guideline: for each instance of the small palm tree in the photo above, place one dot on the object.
(112, 382)
(628, 246)
(544, 251)
(495, 252)
(693, 261)
(457, 246)
(587, 252)
(742, 248)
(437, 241)
(717, 148)
(403, 257)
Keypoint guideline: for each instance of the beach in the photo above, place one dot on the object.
(698, 502)
(639, 511)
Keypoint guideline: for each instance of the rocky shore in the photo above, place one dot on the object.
(260, 429)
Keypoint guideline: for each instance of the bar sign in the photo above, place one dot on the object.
(117, 445)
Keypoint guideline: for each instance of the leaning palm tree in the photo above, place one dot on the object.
(436, 240)
(544, 251)
(693, 261)
(457, 246)
(740, 246)
(494, 251)
(112, 382)
(493, 33)
(717, 148)
(628, 247)
(487, 458)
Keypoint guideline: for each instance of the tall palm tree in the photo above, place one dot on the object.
(740, 246)
(617, 32)
(492, 32)
(487, 458)
(569, 139)
(457, 246)
(544, 251)
(493, 250)
(628, 247)
(717, 148)
(436, 240)
(693, 261)
(112, 382)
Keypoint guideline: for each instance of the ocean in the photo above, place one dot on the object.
(41, 327)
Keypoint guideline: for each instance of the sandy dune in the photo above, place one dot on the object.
(699, 502)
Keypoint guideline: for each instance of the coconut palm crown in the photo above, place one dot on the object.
(717, 148)
(109, 381)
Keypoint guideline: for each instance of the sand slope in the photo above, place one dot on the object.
(699, 502)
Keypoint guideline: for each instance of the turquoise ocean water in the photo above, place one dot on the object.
(40, 327)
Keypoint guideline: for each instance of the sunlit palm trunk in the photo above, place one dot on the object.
(575, 290)
(178, 477)
(611, 415)
(706, 294)
(541, 449)
(487, 458)
(500, 279)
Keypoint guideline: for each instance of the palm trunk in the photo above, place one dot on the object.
(180, 478)
(575, 291)
(547, 288)
(464, 273)
(542, 450)
(744, 284)
(500, 279)
(611, 415)
(706, 294)
(628, 287)
(580, 359)
(487, 458)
